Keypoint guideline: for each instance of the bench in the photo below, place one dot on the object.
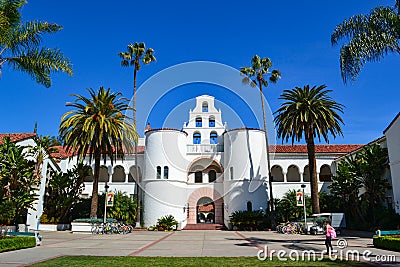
(391, 232)
(32, 234)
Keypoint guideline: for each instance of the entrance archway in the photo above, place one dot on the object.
(205, 210)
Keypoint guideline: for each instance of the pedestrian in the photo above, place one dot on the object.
(330, 233)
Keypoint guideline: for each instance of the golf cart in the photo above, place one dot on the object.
(337, 221)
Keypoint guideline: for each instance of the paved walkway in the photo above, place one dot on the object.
(179, 244)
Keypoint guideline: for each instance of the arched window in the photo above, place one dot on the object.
(277, 173)
(306, 174)
(196, 138)
(325, 174)
(249, 206)
(198, 122)
(211, 122)
(231, 172)
(293, 174)
(166, 172)
(212, 176)
(158, 172)
(104, 176)
(204, 107)
(198, 177)
(213, 138)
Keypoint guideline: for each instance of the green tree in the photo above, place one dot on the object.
(17, 182)
(124, 208)
(136, 53)
(287, 209)
(311, 112)
(41, 151)
(369, 38)
(98, 127)
(256, 74)
(20, 45)
(63, 192)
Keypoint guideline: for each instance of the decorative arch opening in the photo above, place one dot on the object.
(199, 122)
(89, 178)
(103, 177)
(196, 138)
(325, 174)
(211, 196)
(277, 173)
(132, 174)
(249, 206)
(118, 174)
(293, 174)
(204, 106)
(208, 168)
(213, 137)
(205, 210)
(306, 174)
(211, 121)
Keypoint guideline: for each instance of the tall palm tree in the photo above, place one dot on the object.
(41, 151)
(20, 45)
(256, 75)
(312, 112)
(99, 128)
(369, 38)
(136, 52)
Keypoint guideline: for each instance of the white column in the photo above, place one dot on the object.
(284, 177)
(126, 177)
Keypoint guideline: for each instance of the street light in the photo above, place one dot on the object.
(304, 207)
(105, 203)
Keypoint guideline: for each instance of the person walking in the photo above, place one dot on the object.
(330, 233)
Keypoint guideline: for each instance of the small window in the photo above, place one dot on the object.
(204, 107)
(231, 172)
(212, 176)
(198, 177)
(249, 206)
(213, 138)
(196, 138)
(198, 122)
(165, 172)
(211, 122)
(158, 172)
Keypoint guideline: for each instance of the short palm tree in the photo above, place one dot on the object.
(20, 45)
(256, 75)
(312, 112)
(98, 127)
(136, 53)
(370, 37)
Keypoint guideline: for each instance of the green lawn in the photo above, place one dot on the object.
(72, 261)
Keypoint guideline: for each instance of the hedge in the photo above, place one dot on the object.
(387, 242)
(16, 242)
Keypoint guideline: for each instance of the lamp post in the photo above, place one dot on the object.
(105, 203)
(304, 207)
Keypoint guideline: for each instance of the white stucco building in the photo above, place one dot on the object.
(204, 172)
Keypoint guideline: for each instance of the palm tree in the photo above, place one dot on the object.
(255, 75)
(99, 128)
(136, 52)
(370, 37)
(41, 151)
(311, 112)
(20, 45)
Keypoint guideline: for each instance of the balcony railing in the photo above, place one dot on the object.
(204, 148)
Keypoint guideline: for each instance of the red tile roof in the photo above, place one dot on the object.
(16, 137)
(318, 148)
(62, 153)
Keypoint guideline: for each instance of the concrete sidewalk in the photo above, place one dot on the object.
(178, 244)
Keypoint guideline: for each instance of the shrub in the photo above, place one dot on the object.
(167, 222)
(16, 242)
(387, 242)
(249, 220)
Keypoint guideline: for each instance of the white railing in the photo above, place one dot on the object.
(204, 148)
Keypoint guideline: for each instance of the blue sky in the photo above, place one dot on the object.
(294, 34)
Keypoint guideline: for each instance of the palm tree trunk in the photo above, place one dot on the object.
(271, 198)
(95, 191)
(313, 172)
(138, 217)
